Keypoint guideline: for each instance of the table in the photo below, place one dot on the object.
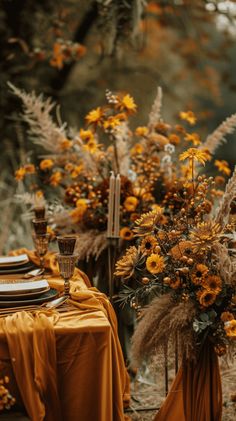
(67, 366)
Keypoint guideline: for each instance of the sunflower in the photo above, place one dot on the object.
(181, 249)
(126, 233)
(230, 328)
(131, 203)
(148, 244)
(155, 263)
(147, 222)
(205, 234)
(126, 265)
(206, 298)
(199, 274)
(194, 154)
(213, 283)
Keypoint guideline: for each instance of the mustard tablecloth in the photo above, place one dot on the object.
(67, 366)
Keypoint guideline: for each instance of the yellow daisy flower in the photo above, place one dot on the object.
(195, 154)
(91, 146)
(188, 116)
(155, 263)
(127, 104)
(86, 135)
(223, 166)
(95, 116)
(194, 138)
(148, 244)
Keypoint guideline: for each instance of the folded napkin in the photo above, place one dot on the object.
(32, 347)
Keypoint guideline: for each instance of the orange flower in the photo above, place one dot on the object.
(230, 328)
(76, 171)
(131, 203)
(199, 274)
(206, 298)
(141, 131)
(213, 283)
(55, 178)
(226, 316)
(126, 234)
(175, 283)
(65, 144)
(148, 244)
(223, 166)
(46, 164)
(174, 139)
(29, 169)
(58, 56)
(194, 138)
(137, 149)
(86, 135)
(20, 173)
(82, 205)
(95, 116)
(188, 116)
(91, 146)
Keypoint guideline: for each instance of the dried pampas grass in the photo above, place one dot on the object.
(91, 243)
(160, 322)
(214, 140)
(226, 264)
(155, 114)
(222, 215)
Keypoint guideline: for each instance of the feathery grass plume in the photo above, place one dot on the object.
(214, 140)
(222, 215)
(226, 264)
(42, 129)
(91, 243)
(155, 114)
(161, 320)
(30, 199)
(122, 137)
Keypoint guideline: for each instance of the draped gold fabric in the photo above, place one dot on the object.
(195, 394)
(67, 366)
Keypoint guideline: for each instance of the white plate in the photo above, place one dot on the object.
(25, 295)
(13, 260)
(11, 287)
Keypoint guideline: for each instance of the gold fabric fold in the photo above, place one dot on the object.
(196, 393)
(32, 348)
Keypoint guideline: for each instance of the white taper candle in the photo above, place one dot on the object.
(117, 207)
(110, 216)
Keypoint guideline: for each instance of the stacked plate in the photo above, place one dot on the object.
(15, 264)
(21, 292)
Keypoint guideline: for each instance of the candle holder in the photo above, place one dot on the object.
(39, 212)
(41, 245)
(113, 245)
(66, 267)
(40, 226)
(66, 244)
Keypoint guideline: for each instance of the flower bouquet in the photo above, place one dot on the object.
(183, 266)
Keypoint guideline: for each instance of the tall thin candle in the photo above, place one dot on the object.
(110, 217)
(117, 207)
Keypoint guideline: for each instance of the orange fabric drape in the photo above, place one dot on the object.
(195, 394)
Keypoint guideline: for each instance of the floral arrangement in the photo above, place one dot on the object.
(185, 262)
(77, 165)
(6, 399)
